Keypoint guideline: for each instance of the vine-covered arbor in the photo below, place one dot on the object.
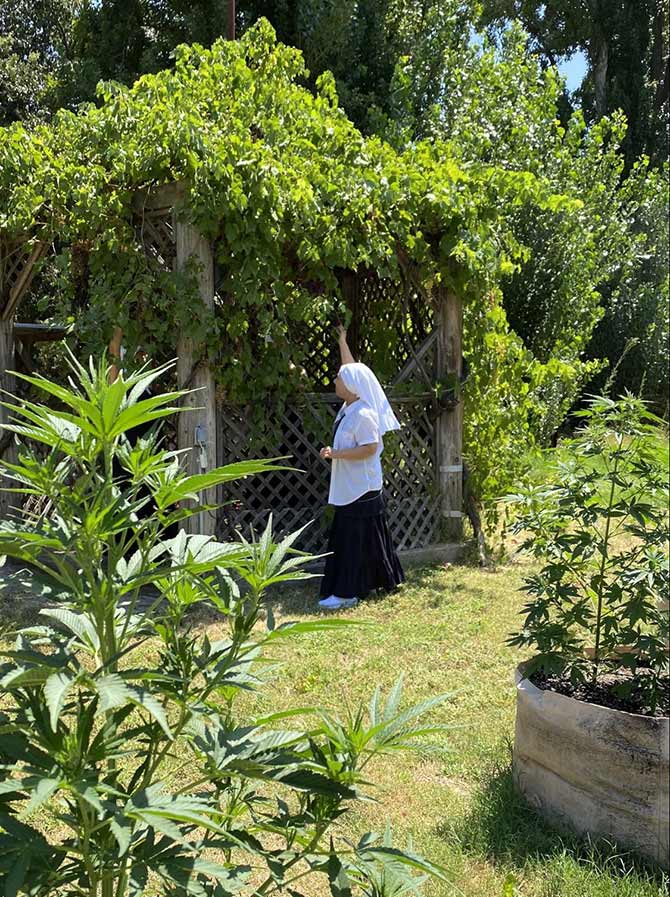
(225, 213)
(422, 345)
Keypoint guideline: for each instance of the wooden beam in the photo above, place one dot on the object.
(396, 397)
(39, 333)
(349, 287)
(198, 420)
(449, 423)
(425, 350)
(8, 453)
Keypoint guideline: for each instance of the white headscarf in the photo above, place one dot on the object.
(359, 379)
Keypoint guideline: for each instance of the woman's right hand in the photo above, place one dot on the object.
(327, 453)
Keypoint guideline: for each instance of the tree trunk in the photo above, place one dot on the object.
(600, 61)
(230, 30)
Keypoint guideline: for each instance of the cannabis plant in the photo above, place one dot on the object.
(600, 528)
(126, 766)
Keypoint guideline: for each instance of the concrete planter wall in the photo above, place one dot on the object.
(594, 770)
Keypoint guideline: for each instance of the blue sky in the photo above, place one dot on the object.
(574, 69)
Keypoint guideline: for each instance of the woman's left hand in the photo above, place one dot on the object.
(327, 453)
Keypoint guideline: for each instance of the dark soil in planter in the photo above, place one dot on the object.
(606, 691)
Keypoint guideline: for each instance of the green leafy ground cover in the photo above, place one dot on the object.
(446, 630)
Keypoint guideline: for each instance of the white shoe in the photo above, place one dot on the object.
(335, 603)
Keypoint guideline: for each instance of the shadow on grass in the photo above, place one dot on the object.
(302, 599)
(21, 600)
(502, 827)
(20, 603)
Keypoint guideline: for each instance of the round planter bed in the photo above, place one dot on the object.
(594, 770)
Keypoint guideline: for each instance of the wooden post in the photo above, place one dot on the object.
(196, 426)
(449, 424)
(8, 500)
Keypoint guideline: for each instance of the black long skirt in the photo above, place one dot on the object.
(362, 557)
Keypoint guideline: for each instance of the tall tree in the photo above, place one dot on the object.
(38, 53)
(626, 45)
(350, 38)
(76, 43)
(54, 52)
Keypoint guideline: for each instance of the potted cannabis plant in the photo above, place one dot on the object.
(126, 765)
(591, 742)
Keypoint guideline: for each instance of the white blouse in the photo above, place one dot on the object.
(351, 479)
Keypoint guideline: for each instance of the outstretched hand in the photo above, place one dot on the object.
(327, 453)
(345, 352)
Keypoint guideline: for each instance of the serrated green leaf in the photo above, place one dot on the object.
(40, 792)
(122, 831)
(56, 689)
(115, 692)
(78, 623)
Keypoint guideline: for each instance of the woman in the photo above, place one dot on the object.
(362, 557)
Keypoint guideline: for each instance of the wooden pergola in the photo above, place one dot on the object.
(425, 466)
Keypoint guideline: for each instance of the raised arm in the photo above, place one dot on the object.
(345, 351)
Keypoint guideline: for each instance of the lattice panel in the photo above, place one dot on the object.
(390, 321)
(409, 472)
(320, 355)
(296, 498)
(155, 231)
(17, 268)
(13, 261)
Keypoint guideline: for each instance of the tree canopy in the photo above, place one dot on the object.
(53, 53)
(472, 136)
(289, 189)
(280, 175)
(626, 47)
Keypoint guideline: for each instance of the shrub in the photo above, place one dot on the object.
(136, 748)
(600, 528)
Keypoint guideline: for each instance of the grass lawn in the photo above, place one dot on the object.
(445, 630)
